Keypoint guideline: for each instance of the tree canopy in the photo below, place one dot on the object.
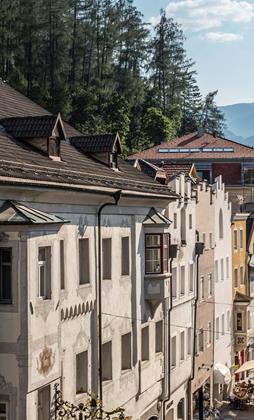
(100, 65)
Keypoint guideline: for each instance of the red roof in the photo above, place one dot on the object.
(207, 147)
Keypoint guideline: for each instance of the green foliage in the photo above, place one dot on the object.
(212, 118)
(157, 127)
(97, 63)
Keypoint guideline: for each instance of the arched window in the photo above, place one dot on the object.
(221, 224)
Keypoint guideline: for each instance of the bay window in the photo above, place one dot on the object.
(156, 253)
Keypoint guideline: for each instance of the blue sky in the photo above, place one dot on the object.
(220, 39)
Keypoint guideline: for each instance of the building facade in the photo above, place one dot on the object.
(202, 378)
(240, 282)
(223, 297)
(84, 258)
(183, 236)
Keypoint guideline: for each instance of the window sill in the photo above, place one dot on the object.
(126, 372)
(83, 285)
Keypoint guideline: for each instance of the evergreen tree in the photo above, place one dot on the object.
(212, 119)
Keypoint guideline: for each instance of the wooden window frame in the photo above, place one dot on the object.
(162, 248)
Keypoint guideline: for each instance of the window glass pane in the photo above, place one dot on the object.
(62, 264)
(106, 258)
(174, 282)
(153, 260)
(145, 343)
(84, 269)
(126, 351)
(44, 264)
(82, 372)
(107, 361)
(173, 352)
(158, 336)
(5, 275)
(125, 256)
(153, 240)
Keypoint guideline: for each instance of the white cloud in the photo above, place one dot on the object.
(199, 15)
(222, 37)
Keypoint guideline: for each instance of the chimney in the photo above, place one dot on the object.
(215, 133)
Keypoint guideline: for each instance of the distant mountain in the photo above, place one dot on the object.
(240, 122)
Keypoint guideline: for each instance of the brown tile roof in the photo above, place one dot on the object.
(192, 141)
(99, 143)
(20, 161)
(150, 169)
(173, 169)
(29, 127)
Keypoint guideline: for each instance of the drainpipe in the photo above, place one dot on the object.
(168, 308)
(116, 197)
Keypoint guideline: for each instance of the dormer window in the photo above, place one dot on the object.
(113, 160)
(104, 147)
(43, 132)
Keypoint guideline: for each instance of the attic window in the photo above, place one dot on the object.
(113, 160)
(54, 147)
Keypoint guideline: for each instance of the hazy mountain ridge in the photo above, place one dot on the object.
(240, 122)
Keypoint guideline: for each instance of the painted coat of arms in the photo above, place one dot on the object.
(46, 361)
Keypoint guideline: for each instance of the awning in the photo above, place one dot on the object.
(246, 366)
(222, 374)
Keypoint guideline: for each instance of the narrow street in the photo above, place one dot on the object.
(239, 414)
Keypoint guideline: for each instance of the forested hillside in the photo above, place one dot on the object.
(104, 68)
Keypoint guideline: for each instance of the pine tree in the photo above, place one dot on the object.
(212, 119)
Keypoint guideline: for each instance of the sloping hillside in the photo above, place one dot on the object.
(240, 122)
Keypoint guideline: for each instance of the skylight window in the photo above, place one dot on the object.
(196, 150)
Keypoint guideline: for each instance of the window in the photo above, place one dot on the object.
(248, 320)
(241, 239)
(211, 240)
(173, 352)
(216, 271)
(44, 402)
(107, 361)
(236, 277)
(106, 258)
(4, 410)
(228, 320)
(241, 275)
(202, 288)
(44, 263)
(239, 321)
(182, 340)
(209, 333)
(174, 282)
(235, 240)
(210, 285)
(189, 345)
(221, 224)
(223, 324)
(125, 256)
(126, 351)
(201, 340)
(227, 267)
(191, 278)
(222, 269)
(156, 253)
(62, 279)
(5, 275)
(175, 220)
(190, 221)
(182, 291)
(158, 336)
(217, 332)
(84, 270)
(204, 240)
(82, 372)
(145, 343)
(183, 226)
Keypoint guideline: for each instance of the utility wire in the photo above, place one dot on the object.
(172, 325)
